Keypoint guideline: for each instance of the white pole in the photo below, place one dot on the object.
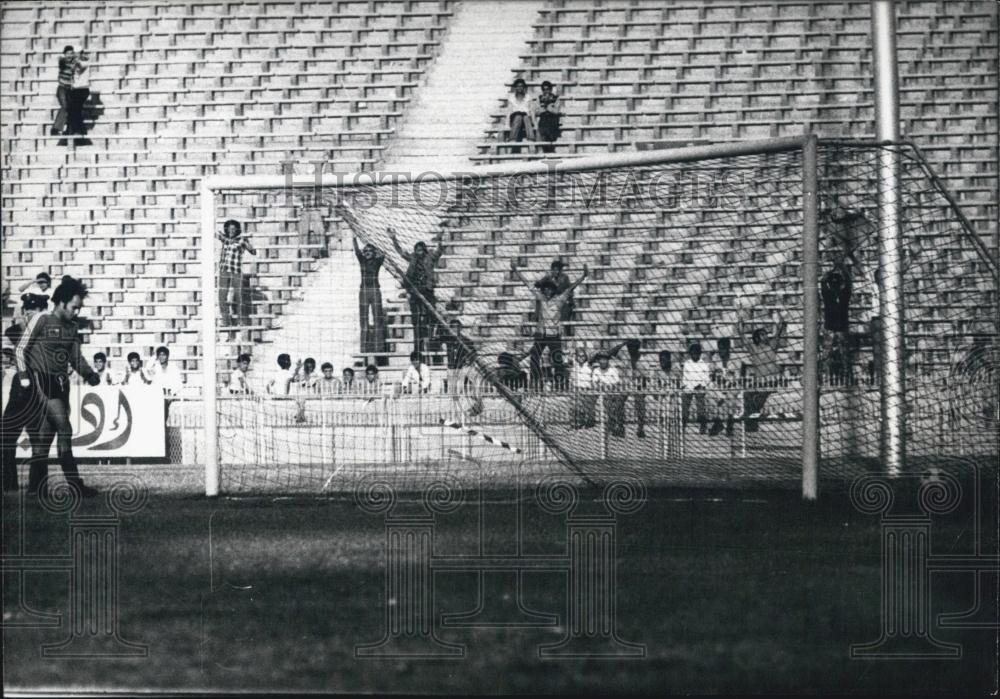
(890, 242)
(810, 328)
(208, 359)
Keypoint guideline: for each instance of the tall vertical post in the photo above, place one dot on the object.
(810, 320)
(890, 242)
(208, 359)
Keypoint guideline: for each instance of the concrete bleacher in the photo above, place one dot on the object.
(632, 74)
(190, 89)
(685, 72)
(202, 87)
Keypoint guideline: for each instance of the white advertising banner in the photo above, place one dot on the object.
(112, 422)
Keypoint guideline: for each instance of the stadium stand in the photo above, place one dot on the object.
(190, 89)
(196, 88)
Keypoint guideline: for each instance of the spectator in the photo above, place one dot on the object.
(164, 374)
(546, 116)
(558, 276)
(519, 120)
(509, 372)
(370, 299)
(583, 400)
(9, 421)
(835, 289)
(135, 374)
(102, 370)
(328, 385)
(637, 381)
(78, 98)
(667, 378)
(724, 389)
(417, 373)
(462, 373)
(420, 282)
(231, 300)
(239, 382)
(7, 365)
(763, 351)
(69, 68)
(281, 384)
(548, 328)
(605, 377)
(39, 286)
(459, 356)
(372, 382)
(306, 378)
(347, 380)
(613, 381)
(696, 377)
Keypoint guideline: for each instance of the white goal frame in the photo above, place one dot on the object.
(212, 185)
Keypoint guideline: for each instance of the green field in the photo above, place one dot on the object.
(727, 590)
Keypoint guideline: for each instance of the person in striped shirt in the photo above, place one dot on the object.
(69, 67)
(50, 344)
(231, 271)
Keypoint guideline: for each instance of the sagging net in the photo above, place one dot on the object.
(676, 357)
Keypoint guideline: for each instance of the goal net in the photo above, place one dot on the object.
(696, 317)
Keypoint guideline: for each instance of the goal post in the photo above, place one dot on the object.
(685, 246)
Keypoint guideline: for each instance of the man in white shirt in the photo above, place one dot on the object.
(581, 384)
(520, 115)
(39, 286)
(306, 380)
(328, 384)
(102, 369)
(280, 384)
(164, 374)
(239, 383)
(135, 374)
(605, 377)
(696, 376)
(418, 374)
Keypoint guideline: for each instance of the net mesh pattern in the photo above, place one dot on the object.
(679, 257)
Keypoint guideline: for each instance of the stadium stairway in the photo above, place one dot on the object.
(445, 121)
(439, 132)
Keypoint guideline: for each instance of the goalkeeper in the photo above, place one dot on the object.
(50, 344)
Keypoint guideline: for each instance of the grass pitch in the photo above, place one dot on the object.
(726, 590)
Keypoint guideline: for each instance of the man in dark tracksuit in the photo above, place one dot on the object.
(19, 412)
(50, 344)
(420, 282)
(370, 297)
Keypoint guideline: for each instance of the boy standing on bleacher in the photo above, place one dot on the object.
(69, 67)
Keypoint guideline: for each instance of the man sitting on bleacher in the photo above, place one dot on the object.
(520, 125)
